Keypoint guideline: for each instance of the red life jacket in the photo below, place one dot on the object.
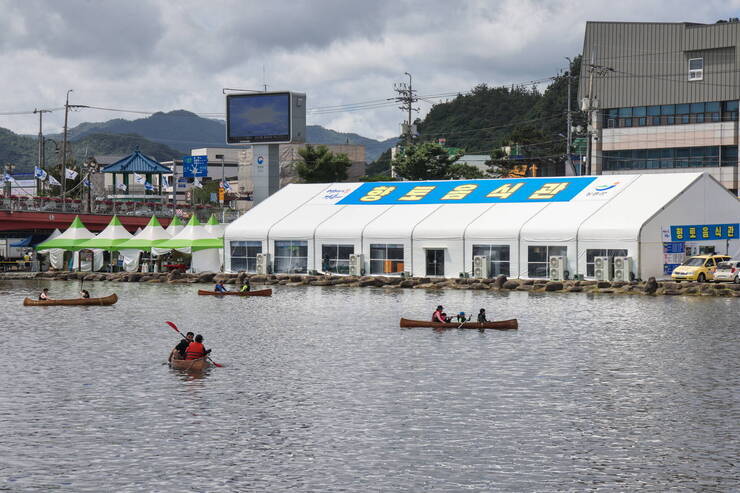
(437, 316)
(195, 350)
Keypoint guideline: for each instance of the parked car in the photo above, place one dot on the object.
(728, 271)
(698, 268)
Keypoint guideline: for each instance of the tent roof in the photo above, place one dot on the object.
(214, 227)
(110, 238)
(589, 207)
(151, 236)
(193, 237)
(71, 239)
(136, 162)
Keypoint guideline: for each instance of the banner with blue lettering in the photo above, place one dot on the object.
(697, 232)
(556, 189)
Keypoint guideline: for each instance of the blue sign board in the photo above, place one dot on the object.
(469, 191)
(698, 232)
(193, 166)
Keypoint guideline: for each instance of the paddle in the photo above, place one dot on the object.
(171, 324)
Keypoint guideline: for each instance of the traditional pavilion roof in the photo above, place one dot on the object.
(136, 162)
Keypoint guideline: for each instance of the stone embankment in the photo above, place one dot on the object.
(501, 283)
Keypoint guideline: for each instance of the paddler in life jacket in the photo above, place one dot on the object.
(196, 349)
(439, 315)
(245, 287)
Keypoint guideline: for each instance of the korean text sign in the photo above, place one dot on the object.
(556, 189)
(698, 232)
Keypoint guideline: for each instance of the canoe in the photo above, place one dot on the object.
(512, 324)
(190, 364)
(107, 300)
(261, 292)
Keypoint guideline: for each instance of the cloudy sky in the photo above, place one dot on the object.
(156, 55)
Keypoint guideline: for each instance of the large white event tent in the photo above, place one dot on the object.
(435, 228)
(195, 239)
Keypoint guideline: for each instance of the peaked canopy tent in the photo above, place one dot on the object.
(141, 165)
(71, 241)
(515, 227)
(110, 239)
(55, 255)
(175, 226)
(214, 227)
(195, 239)
(151, 236)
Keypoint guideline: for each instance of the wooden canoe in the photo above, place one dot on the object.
(107, 300)
(512, 324)
(261, 292)
(199, 364)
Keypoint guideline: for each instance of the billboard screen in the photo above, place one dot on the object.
(258, 117)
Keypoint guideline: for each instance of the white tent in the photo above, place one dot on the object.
(195, 239)
(144, 240)
(55, 255)
(71, 240)
(516, 226)
(109, 239)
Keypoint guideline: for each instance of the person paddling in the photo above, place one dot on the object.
(85, 293)
(182, 347)
(461, 317)
(439, 315)
(482, 316)
(44, 295)
(220, 288)
(196, 349)
(246, 287)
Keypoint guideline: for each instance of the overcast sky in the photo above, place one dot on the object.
(152, 55)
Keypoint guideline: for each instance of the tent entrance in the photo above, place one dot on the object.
(435, 262)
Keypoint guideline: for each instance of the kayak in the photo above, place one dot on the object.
(261, 292)
(512, 324)
(190, 364)
(107, 300)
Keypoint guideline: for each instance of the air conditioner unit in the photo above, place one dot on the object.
(480, 267)
(602, 268)
(263, 263)
(556, 268)
(356, 264)
(622, 269)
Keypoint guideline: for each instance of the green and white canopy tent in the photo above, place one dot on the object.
(214, 227)
(151, 236)
(198, 241)
(111, 238)
(175, 226)
(71, 240)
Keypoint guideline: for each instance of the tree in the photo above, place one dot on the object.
(320, 165)
(531, 150)
(428, 161)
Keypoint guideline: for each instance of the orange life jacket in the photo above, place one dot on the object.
(195, 350)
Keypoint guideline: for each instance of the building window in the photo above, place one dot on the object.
(244, 255)
(335, 258)
(539, 257)
(696, 69)
(677, 157)
(291, 257)
(386, 258)
(498, 258)
(591, 254)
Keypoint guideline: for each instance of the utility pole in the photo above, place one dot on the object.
(64, 153)
(39, 183)
(569, 144)
(407, 97)
(590, 105)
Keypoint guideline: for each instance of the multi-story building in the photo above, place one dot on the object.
(663, 97)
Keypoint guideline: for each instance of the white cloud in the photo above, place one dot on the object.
(160, 55)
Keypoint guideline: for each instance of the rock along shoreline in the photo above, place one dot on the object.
(650, 287)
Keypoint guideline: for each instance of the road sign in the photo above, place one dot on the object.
(221, 194)
(193, 166)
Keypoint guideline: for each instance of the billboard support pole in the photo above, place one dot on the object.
(265, 171)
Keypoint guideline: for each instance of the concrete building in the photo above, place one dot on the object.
(663, 97)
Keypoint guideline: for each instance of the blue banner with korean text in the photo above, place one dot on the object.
(469, 191)
(698, 232)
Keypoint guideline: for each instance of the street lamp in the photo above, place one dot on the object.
(8, 185)
(221, 187)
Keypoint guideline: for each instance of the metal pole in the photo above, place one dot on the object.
(64, 154)
(174, 186)
(570, 120)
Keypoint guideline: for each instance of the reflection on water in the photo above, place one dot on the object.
(321, 391)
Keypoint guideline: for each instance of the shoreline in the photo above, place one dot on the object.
(501, 283)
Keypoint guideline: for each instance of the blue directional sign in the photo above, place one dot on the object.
(193, 166)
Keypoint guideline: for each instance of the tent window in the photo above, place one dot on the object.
(539, 257)
(593, 253)
(291, 257)
(244, 255)
(335, 258)
(386, 258)
(498, 258)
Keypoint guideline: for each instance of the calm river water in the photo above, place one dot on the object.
(321, 391)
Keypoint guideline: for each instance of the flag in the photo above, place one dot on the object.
(39, 173)
(121, 186)
(53, 181)
(139, 179)
(226, 186)
(148, 186)
(197, 183)
(7, 177)
(86, 183)
(70, 173)
(164, 181)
